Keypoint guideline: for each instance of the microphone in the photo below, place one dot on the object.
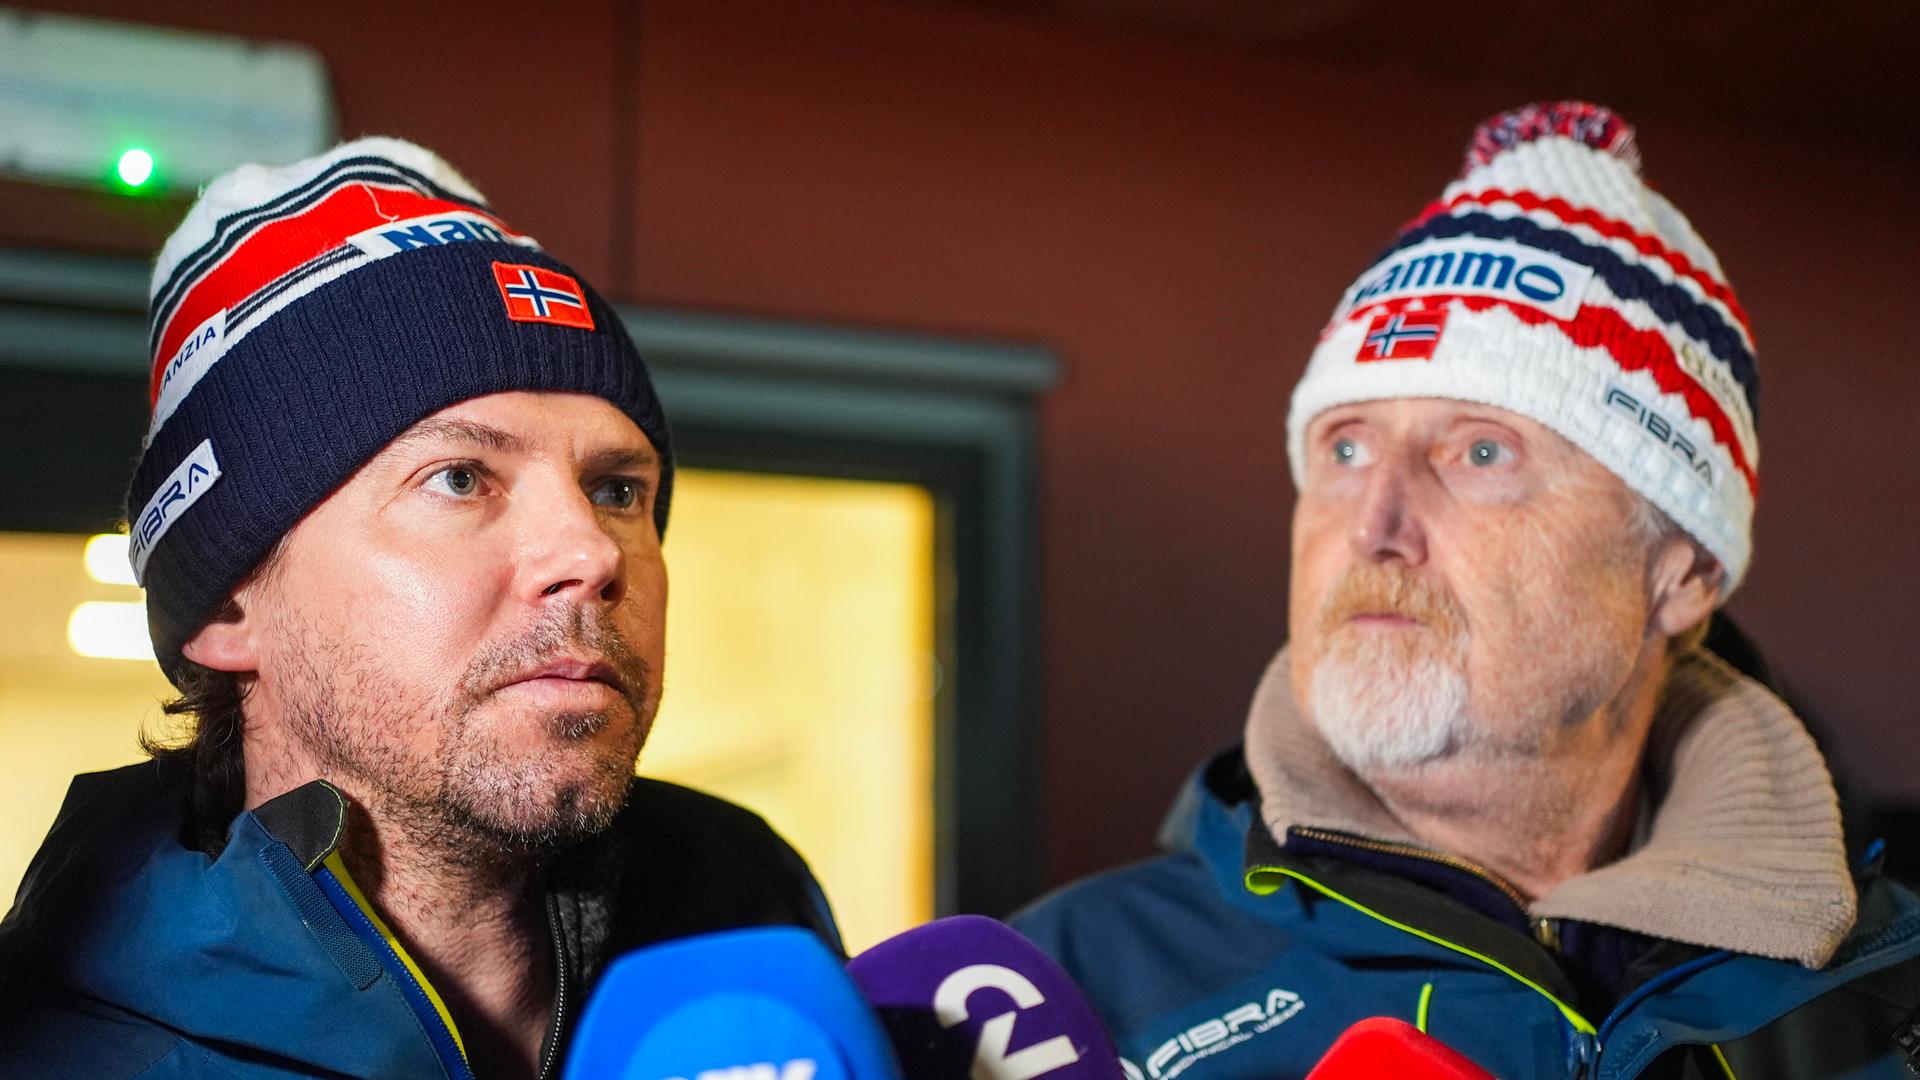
(966, 996)
(1384, 1046)
(769, 1003)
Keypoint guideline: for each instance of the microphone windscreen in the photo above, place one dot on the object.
(769, 1003)
(1384, 1046)
(967, 997)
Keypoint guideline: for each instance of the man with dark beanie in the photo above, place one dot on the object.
(398, 516)
(1494, 788)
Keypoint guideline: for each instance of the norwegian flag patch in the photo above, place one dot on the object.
(1402, 335)
(535, 294)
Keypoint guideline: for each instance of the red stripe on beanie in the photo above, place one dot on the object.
(1632, 348)
(1605, 226)
(1635, 349)
(284, 244)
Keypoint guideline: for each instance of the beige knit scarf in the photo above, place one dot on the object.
(1744, 851)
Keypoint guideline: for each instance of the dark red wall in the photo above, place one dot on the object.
(1174, 216)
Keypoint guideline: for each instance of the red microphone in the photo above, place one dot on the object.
(1385, 1047)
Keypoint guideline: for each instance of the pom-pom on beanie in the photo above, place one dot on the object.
(1551, 281)
(302, 316)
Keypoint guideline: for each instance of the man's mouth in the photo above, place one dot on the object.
(561, 670)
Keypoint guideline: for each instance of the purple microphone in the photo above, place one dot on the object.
(966, 997)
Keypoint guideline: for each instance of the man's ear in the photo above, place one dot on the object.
(1685, 586)
(226, 641)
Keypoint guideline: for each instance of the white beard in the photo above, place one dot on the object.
(1380, 709)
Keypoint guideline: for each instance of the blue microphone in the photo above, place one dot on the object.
(769, 1003)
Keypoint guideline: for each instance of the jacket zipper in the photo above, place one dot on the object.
(1546, 932)
(382, 936)
(1574, 1020)
(1583, 1049)
(560, 990)
(1583, 1045)
(1412, 852)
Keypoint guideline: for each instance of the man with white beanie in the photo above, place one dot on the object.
(1495, 787)
(399, 517)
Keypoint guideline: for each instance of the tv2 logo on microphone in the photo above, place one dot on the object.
(991, 1061)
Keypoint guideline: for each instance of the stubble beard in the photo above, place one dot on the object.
(471, 796)
(1391, 699)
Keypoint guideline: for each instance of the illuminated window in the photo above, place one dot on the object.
(60, 713)
(800, 677)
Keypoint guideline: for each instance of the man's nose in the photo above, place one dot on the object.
(1388, 525)
(570, 551)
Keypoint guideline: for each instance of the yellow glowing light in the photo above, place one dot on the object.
(106, 558)
(110, 630)
(828, 585)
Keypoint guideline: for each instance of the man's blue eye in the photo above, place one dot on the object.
(1487, 452)
(1346, 451)
(455, 480)
(620, 494)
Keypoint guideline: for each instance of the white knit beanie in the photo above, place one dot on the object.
(1549, 280)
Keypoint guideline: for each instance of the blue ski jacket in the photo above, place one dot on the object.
(130, 953)
(1234, 955)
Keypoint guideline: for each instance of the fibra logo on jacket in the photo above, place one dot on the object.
(1209, 1037)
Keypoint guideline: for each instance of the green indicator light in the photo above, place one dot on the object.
(135, 167)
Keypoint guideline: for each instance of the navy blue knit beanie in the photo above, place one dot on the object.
(304, 316)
